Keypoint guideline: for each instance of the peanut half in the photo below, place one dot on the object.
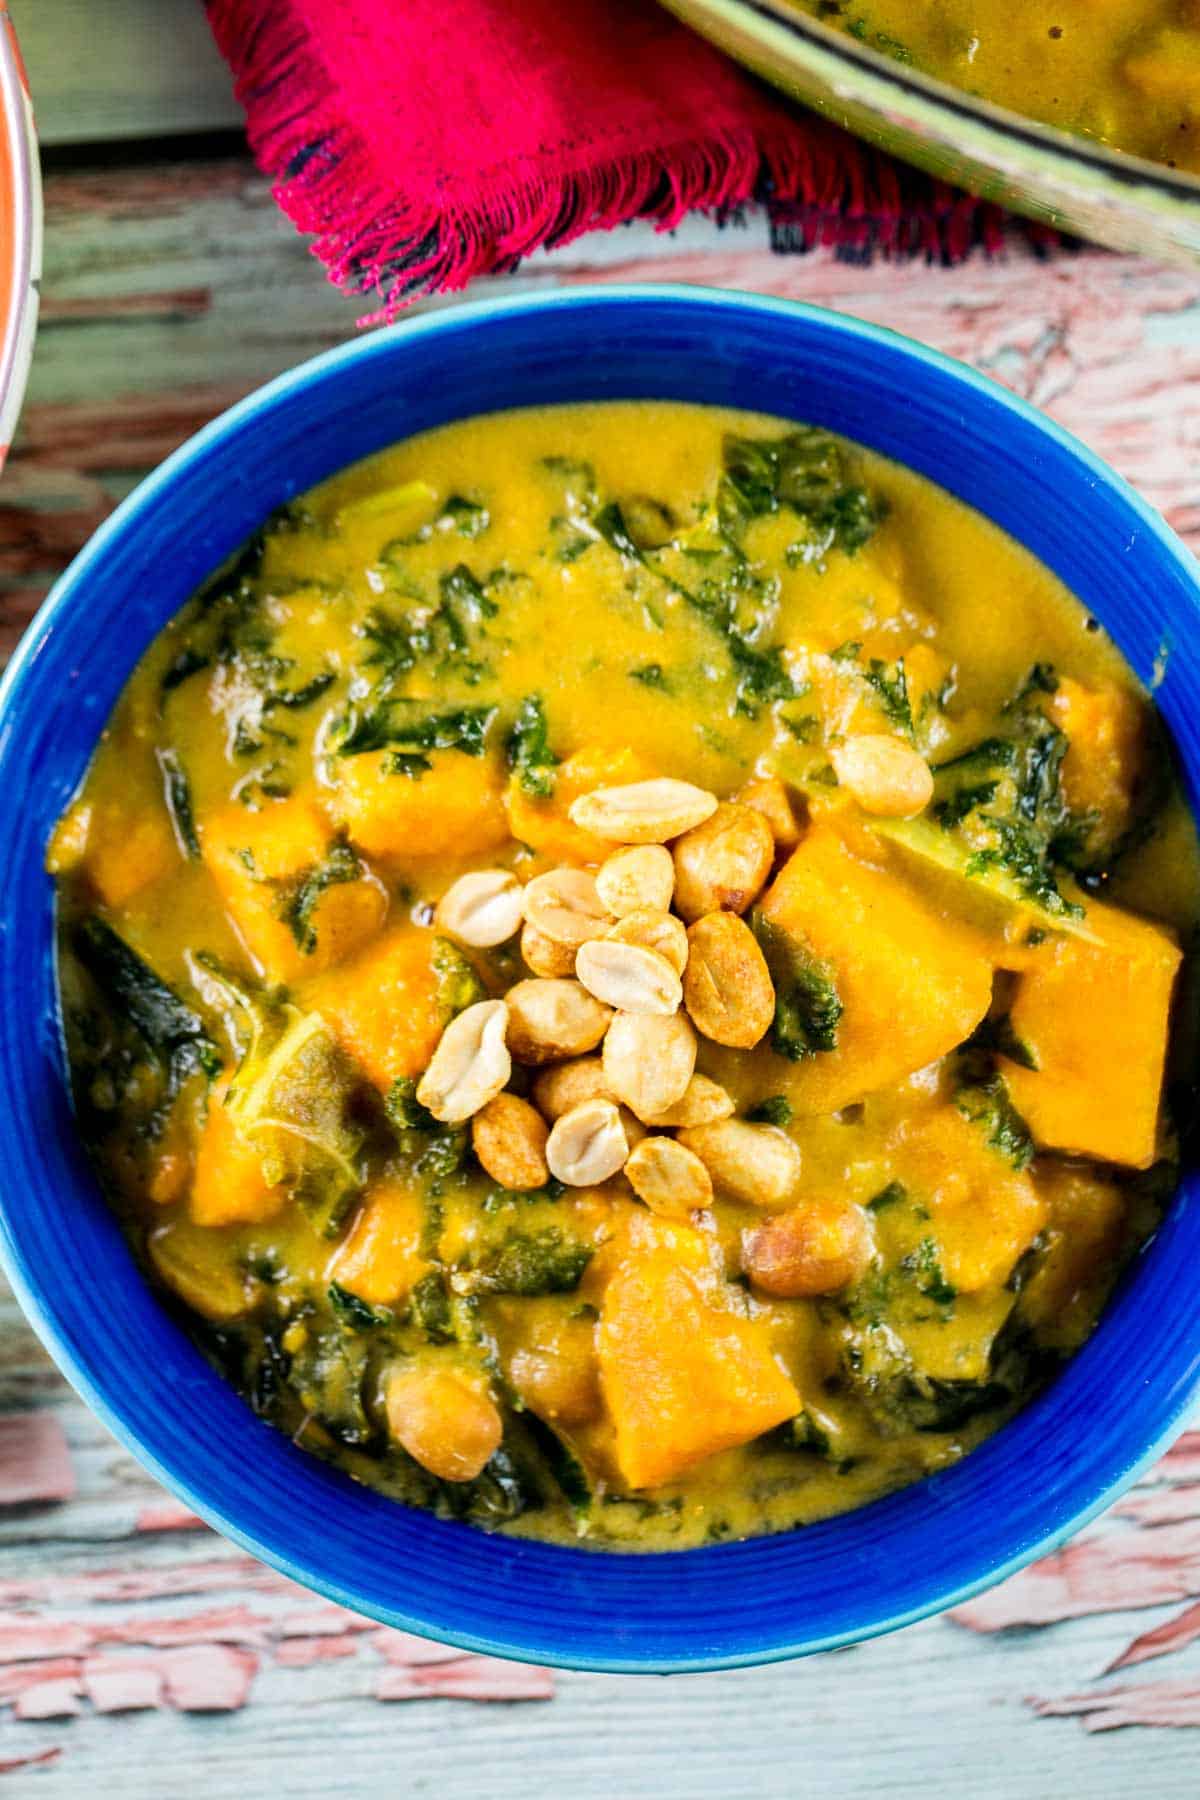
(649, 1060)
(565, 907)
(723, 863)
(470, 1065)
(885, 775)
(564, 1085)
(668, 1178)
(643, 812)
(482, 909)
(587, 1145)
(628, 977)
(653, 930)
(549, 1020)
(640, 875)
(758, 1164)
(509, 1138)
(727, 986)
(703, 1101)
(544, 956)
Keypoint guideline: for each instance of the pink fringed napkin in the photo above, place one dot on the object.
(423, 142)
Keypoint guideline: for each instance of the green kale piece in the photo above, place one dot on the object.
(529, 752)
(775, 1110)
(354, 1313)
(470, 518)
(892, 1195)
(458, 984)
(542, 1262)
(177, 793)
(404, 723)
(924, 1265)
(429, 1308)
(299, 902)
(985, 1101)
(175, 1036)
(806, 472)
(808, 1007)
(404, 1109)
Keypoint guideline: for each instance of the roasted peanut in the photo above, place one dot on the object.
(812, 1249)
(648, 1060)
(669, 1178)
(640, 875)
(642, 812)
(549, 1020)
(564, 1085)
(628, 977)
(757, 1164)
(544, 956)
(726, 986)
(587, 1145)
(703, 1102)
(653, 930)
(723, 863)
(509, 1138)
(446, 1421)
(769, 797)
(470, 1065)
(565, 907)
(483, 908)
(885, 775)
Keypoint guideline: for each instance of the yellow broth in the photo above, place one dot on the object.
(1125, 74)
(412, 674)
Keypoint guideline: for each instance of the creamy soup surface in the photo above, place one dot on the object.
(772, 1110)
(1126, 74)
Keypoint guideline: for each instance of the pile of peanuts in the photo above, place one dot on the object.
(630, 964)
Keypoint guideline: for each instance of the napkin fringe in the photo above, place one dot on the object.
(820, 189)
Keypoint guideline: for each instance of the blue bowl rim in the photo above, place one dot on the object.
(465, 317)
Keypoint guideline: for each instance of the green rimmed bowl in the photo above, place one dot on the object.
(1070, 183)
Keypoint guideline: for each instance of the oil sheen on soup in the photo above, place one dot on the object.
(618, 967)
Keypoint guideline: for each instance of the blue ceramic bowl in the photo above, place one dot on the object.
(1058, 1463)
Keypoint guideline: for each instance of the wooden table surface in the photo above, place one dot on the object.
(140, 1654)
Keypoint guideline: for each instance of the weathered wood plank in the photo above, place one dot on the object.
(131, 68)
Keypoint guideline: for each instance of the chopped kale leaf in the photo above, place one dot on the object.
(808, 1007)
(174, 1035)
(356, 1313)
(299, 903)
(177, 793)
(776, 1110)
(529, 752)
(986, 1102)
(404, 723)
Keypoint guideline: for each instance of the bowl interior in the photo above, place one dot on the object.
(903, 1557)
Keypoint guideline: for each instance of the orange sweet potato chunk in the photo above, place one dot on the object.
(381, 1259)
(228, 1186)
(253, 855)
(1095, 1018)
(544, 824)
(453, 808)
(983, 1213)
(1106, 732)
(383, 1007)
(681, 1378)
(912, 983)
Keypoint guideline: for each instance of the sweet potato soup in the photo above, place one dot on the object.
(1126, 73)
(618, 968)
